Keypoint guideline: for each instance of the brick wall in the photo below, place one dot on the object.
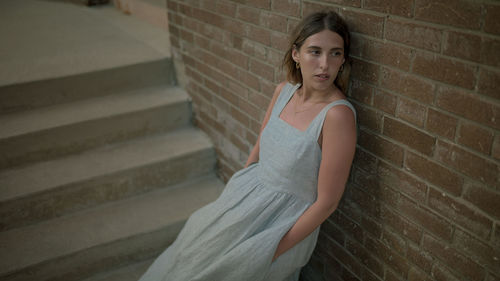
(423, 199)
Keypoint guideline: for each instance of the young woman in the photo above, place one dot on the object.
(265, 224)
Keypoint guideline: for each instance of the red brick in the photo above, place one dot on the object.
(371, 226)
(264, 4)
(365, 257)
(474, 166)
(492, 277)
(441, 273)
(412, 34)
(469, 106)
(372, 185)
(414, 274)
(210, 32)
(381, 147)
(365, 71)
(274, 58)
(234, 26)
(352, 3)
(496, 148)
(407, 85)
(489, 83)
(483, 198)
(424, 217)
(333, 231)
(226, 8)
(279, 40)
(441, 124)
(400, 224)
(491, 23)
(229, 96)
(390, 257)
(460, 213)
(249, 79)
(445, 70)
(239, 116)
(420, 258)
(185, 9)
(349, 227)
(365, 161)
(228, 68)
(248, 14)
(453, 259)
(267, 90)
(402, 182)
(460, 13)
(369, 118)
(489, 51)
(462, 45)
(361, 91)
(238, 143)
(365, 200)
(250, 109)
(398, 7)
(411, 111)
(340, 253)
(385, 101)
(312, 7)
(434, 173)
(409, 136)
(475, 137)
(263, 70)
(229, 54)
(287, 7)
(254, 49)
(273, 21)
(382, 52)
(368, 24)
(394, 242)
(478, 250)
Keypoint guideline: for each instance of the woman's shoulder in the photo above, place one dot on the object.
(341, 111)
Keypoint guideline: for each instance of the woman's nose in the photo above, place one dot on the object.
(323, 62)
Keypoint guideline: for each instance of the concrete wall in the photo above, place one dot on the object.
(423, 199)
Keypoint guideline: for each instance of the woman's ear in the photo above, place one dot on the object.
(295, 54)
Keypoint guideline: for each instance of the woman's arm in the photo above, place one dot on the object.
(338, 145)
(254, 154)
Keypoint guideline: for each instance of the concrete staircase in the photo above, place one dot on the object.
(99, 164)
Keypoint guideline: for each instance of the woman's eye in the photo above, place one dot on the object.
(315, 52)
(336, 54)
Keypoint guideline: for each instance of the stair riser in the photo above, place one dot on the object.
(74, 138)
(78, 196)
(98, 259)
(71, 88)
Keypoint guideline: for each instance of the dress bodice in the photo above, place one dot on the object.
(290, 158)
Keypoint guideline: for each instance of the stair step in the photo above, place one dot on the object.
(53, 188)
(64, 89)
(151, 11)
(114, 234)
(128, 273)
(54, 131)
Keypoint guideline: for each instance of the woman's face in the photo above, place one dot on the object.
(320, 58)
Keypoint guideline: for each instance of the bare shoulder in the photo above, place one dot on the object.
(340, 116)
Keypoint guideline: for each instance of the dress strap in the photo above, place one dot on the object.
(317, 124)
(283, 98)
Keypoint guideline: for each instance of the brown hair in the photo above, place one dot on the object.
(311, 25)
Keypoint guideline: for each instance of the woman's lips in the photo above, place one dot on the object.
(322, 77)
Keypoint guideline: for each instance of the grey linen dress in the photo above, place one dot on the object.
(234, 238)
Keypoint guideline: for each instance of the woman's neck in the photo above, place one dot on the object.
(308, 94)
